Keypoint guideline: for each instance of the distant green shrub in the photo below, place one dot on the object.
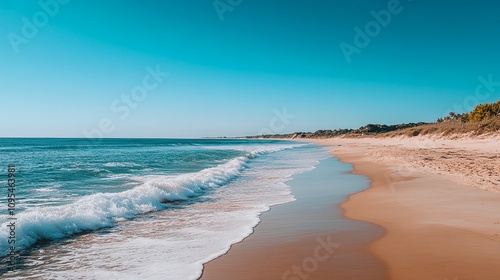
(464, 118)
(452, 116)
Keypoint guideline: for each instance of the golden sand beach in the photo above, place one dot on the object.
(437, 201)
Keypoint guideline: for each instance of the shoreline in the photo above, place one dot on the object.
(436, 201)
(438, 226)
(292, 239)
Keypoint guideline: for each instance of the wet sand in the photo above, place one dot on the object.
(442, 219)
(308, 238)
(436, 203)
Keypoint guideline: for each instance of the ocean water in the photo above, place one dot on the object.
(139, 208)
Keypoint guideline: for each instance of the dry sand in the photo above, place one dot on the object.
(437, 199)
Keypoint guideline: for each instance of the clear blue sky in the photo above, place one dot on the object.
(228, 77)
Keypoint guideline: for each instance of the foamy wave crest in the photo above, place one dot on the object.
(258, 149)
(121, 164)
(104, 209)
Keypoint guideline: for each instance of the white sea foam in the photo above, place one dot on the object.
(172, 244)
(82, 168)
(121, 164)
(178, 243)
(104, 209)
(48, 189)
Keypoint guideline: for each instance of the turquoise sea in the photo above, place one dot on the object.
(139, 208)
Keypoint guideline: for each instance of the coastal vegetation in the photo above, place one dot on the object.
(484, 118)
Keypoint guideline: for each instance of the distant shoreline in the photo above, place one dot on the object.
(484, 119)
